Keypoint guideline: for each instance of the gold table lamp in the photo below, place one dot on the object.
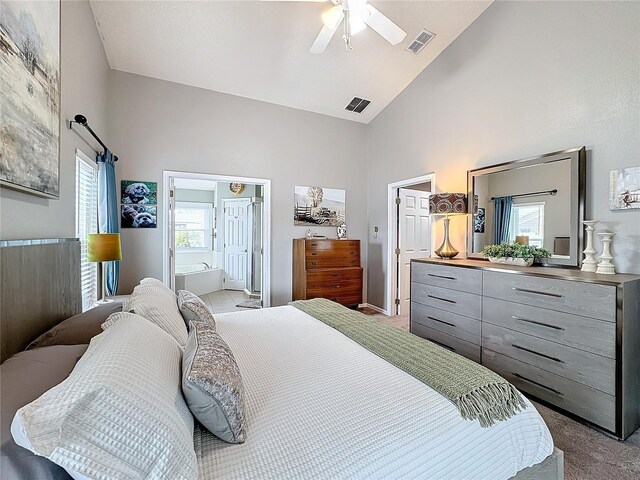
(447, 204)
(103, 247)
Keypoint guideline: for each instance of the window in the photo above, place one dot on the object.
(86, 223)
(193, 226)
(527, 219)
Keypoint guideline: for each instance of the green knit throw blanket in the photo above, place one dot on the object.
(476, 391)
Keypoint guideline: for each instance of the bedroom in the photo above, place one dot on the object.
(515, 80)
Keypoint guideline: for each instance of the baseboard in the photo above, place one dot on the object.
(373, 307)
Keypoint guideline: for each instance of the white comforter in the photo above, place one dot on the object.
(321, 406)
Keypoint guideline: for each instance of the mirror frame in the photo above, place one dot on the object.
(577, 156)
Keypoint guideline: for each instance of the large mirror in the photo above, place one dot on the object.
(539, 201)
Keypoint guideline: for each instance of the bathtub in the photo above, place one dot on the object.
(198, 279)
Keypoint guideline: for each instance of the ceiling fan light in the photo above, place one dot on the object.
(332, 18)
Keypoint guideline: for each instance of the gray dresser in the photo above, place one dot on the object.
(567, 337)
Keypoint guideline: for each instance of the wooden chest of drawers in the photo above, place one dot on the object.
(566, 337)
(324, 268)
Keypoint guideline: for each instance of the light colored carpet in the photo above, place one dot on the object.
(588, 454)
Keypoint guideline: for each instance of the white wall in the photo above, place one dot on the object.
(84, 72)
(525, 78)
(158, 125)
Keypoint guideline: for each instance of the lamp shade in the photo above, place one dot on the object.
(447, 203)
(103, 247)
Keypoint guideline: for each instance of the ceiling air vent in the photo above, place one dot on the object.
(421, 40)
(357, 105)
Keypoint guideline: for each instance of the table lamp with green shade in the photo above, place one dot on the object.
(447, 204)
(103, 247)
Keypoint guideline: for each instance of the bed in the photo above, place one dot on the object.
(319, 405)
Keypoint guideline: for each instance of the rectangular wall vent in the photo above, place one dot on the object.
(357, 105)
(421, 40)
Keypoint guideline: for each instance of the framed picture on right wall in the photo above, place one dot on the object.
(624, 189)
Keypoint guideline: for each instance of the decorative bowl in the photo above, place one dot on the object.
(520, 262)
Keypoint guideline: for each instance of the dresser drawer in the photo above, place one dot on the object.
(583, 367)
(595, 336)
(353, 287)
(455, 278)
(458, 326)
(461, 303)
(335, 253)
(320, 245)
(329, 262)
(461, 347)
(586, 299)
(344, 298)
(593, 405)
(318, 277)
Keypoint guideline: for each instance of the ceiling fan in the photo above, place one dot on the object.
(357, 15)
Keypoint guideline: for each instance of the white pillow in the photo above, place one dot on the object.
(159, 305)
(120, 413)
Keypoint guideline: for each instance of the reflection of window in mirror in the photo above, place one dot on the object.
(527, 219)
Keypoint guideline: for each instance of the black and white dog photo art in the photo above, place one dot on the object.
(138, 216)
(139, 204)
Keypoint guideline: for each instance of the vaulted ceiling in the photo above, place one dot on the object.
(260, 49)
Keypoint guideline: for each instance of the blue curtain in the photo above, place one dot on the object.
(502, 219)
(108, 211)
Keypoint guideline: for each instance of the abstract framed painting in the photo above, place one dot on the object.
(30, 96)
(624, 189)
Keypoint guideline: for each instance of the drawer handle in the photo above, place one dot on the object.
(335, 286)
(314, 244)
(441, 276)
(441, 321)
(351, 244)
(536, 353)
(335, 274)
(547, 294)
(555, 327)
(351, 253)
(443, 299)
(553, 390)
(352, 261)
(314, 253)
(443, 345)
(314, 263)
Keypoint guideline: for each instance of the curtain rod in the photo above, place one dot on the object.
(82, 120)
(544, 192)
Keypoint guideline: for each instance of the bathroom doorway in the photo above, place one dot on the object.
(216, 236)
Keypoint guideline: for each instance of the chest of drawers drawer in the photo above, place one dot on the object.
(461, 347)
(454, 278)
(461, 303)
(583, 367)
(331, 245)
(459, 326)
(592, 335)
(579, 298)
(329, 262)
(591, 404)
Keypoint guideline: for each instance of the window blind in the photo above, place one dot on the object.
(86, 223)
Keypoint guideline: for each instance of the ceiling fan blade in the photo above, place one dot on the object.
(322, 40)
(385, 27)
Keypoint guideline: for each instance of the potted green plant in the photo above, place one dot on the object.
(514, 254)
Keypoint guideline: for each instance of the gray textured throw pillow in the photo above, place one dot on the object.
(193, 309)
(212, 385)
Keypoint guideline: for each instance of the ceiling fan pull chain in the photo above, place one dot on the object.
(347, 34)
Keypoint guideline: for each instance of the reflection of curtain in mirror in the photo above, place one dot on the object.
(502, 218)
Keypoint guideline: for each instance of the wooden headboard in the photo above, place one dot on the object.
(39, 287)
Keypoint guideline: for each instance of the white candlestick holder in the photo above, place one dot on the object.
(606, 266)
(589, 264)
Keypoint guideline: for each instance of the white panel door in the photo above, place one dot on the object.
(236, 237)
(414, 239)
